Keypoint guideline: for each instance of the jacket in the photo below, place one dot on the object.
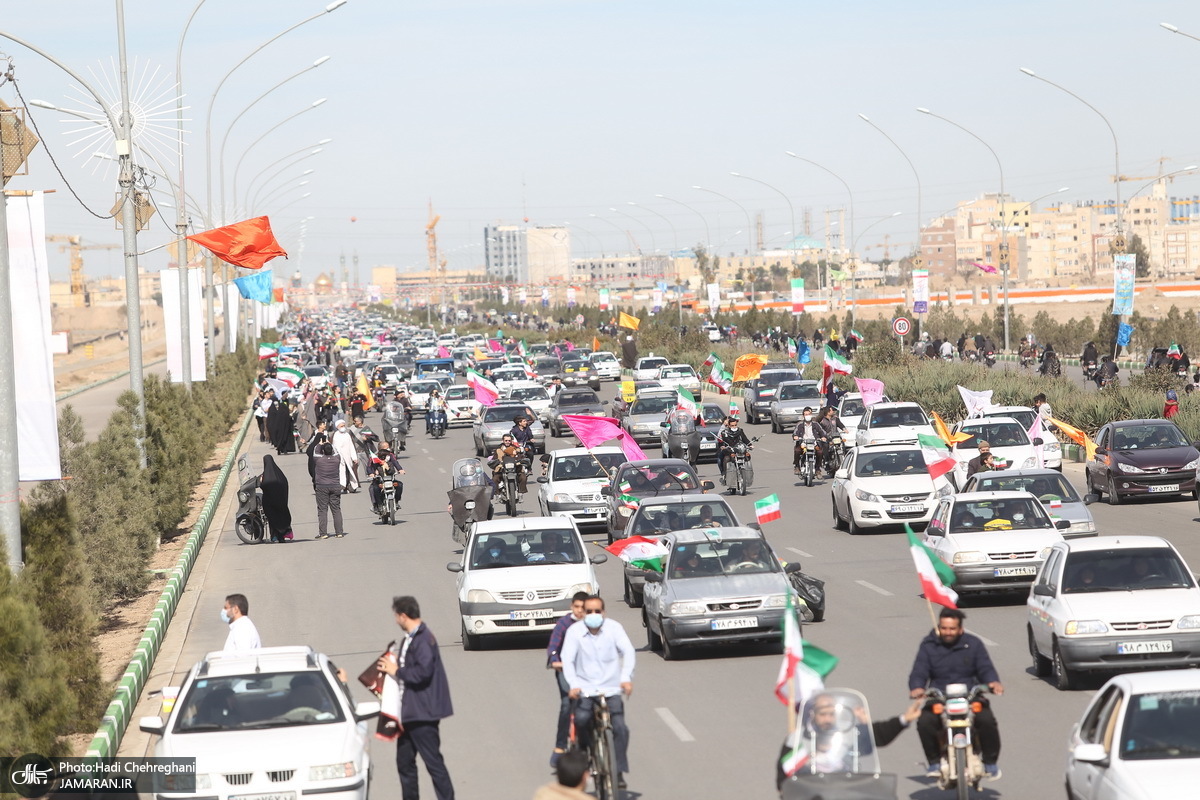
(554, 649)
(426, 690)
(966, 661)
(327, 470)
(728, 438)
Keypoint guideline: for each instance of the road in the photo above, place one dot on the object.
(707, 726)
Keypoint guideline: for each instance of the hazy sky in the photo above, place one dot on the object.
(559, 109)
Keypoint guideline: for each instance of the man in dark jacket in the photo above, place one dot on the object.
(424, 702)
(947, 656)
(327, 483)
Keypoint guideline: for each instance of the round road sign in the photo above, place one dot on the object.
(901, 326)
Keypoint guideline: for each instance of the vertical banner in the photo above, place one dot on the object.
(504, 295)
(797, 295)
(570, 297)
(1124, 272)
(522, 296)
(657, 300)
(173, 324)
(232, 302)
(920, 283)
(546, 297)
(604, 299)
(29, 287)
(714, 297)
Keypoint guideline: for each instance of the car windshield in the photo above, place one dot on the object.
(529, 393)
(677, 372)
(1125, 570)
(776, 378)
(578, 399)
(313, 372)
(458, 393)
(712, 414)
(659, 404)
(652, 363)
(997, 434)
(797, 392)
(423, 387)
(578, 468)
(526, 547)
(506, 413)
(264, 700)
(976, 516)
(1161, 725)
(1023, 417)
(725, 557)
(1148, 437)
(509, 374)
(641, 481)
(657, 519)
(603, 357)
(575, 363)
(546, 365)
(889, 462)
(852, 407)
(1047, 488)
(896, 417)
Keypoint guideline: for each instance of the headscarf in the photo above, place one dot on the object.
(274, 485)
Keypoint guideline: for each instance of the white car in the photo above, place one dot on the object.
(461, 405)
(850, 412)
(572, 483)
(1011, 448)
(1113, 603)
(418, 393)
(892, 422)
(532, 394)
(318, 376)
(885, 484)
(1051, 449)
(646, 368)
(1139, 739)
(994, 541)
(269, 723)
(712, 332)
(679, 376)
(606, 365)
(508, 375)
(518, 576)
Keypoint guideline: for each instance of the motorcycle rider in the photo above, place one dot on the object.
(809, 427)
(1107, 372)
(435, 407)
(510, 449)
(950, 655)
(384, 462)
(522, 432)
(832, 424)
(1089, 356)
(729, 436)
(395, 415)
(1051, 367)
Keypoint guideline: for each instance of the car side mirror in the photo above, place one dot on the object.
(606, 491)
(1043, 590)
(543, 479)
(753, 526)
(1037, 441)
(545, 458)
(1100, 451)
(151, 725)
(654, 577)
(454, 566)
(706, 485)
(603, 402)
(842, 473)
(1091, 497)
(366, 710)
(599, 558)
(792, 567)
(1090, 753)
(1062, 524)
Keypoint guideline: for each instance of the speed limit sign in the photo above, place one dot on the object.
(901, 326)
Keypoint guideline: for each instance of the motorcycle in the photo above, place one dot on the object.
(380, 395)
(436, 423)
(739, 472)
(470, 498)
(832, 753)
(1026, 359)
(989, 358)
(834, 454)
(388, 486)
(810, 589)
(1089, 370)
(961, 766)
(808, 460)
(251, 522)
(507, 486)
(1110, 382)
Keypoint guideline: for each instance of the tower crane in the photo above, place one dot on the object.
(79, 294)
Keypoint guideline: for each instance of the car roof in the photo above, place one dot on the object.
(689, 366)
(676, 499)
(1121, 542)
(999, 411)
(719, 534)
(665, 462)
(897, 404)
(802, 382)
(1031, 472)
(583, 451)
(525, 385)
(906, 444)
(267, 659)
(1121, 423)
(522, 524)
(990, 421)
(964, 497)
(1167, 680)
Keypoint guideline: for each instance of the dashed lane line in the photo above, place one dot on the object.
(874, 588)
(672, 722)
(800, 552)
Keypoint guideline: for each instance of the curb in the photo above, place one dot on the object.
(129, 687)
(110, 379)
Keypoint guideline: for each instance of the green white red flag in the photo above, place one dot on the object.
(834, 365)
(718, 376)
(767, 509)
(266, 351)
(640, 551)
(937, 460)
(687, 402)
(485, 391)
(290, 375)
(935, 575)
(807, 664)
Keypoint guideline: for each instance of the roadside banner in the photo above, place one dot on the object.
(797, 295)
(1124, 272)
(604, 299)
(714, 297)
(232, 300)
(920, 289)
(173, 326)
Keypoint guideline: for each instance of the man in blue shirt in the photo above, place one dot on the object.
(554, 662)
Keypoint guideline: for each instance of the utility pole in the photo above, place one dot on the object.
(10, 465)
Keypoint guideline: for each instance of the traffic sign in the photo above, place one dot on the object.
(901, 326)
(918, 262)
(1004, 256)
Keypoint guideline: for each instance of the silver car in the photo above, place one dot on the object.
(789, 402)
(718, 586)
(1049, 486)
(495, 421)
(643, 419)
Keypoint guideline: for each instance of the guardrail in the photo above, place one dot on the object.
(102, 381)
(115, 721)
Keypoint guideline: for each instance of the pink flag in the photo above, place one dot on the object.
(988, 268)
(593, 431)
(871, 389)
(485, 391)
(443, 352)
(495, 346)
(570, 347)
(1036, 431)
(630, 448)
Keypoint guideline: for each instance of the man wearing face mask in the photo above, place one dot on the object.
(242, 633)
(808, 428)
(598, 658)
(554, 662)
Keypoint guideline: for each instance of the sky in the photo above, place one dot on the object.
(557, 110)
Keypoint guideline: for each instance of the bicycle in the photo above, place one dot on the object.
(602, 752)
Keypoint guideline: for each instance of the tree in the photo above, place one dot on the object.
(1138, 248)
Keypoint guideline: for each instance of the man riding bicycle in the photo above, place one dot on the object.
(598, 659)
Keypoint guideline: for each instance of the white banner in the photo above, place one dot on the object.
(714, 297)
(173, 327)
(504, 295)
(29, 285)
(522, 295)
(657, 302)
(232, 303)
(920, 291)
(570, 296)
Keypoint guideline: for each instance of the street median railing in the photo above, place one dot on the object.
(116, 718)
(101, 382)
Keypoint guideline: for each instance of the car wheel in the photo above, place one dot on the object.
(670, 652)
(851, 525)
(1114, 499)
(774, 427)
(1064, 679)
(653, 640)
(1041, 664)
(632, 599)
(470, 641)
(838, 523)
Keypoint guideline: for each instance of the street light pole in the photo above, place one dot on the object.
(749, 222)
(851, 254)
(703, 219)
(312, 151)
(788, 200)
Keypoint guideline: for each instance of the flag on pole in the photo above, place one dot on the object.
(803, 353)
(871, 390)
(595, 344)
(485, 391)
(718, 377)
(1173, 351)
(687, 402)
(479, 355)
(256, 287)
(1036, 432)
(289, 375)
(767, 509)
(708, 362)
(443, 352)
(855, 335)
(626, 321)
(640, 551)
(976, 402)
(988, 268)
(834, 365)
(935, 575)
(248, 244)
(943, 431)
(792, 348)
(937, 460)
(807, 663)
(266, 351)
(523, 349)
(1077, 436)
(747, 367)
(365, 390)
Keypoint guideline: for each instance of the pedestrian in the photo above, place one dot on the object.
(242, 633)
(274, 485)
(554, 662)
(571, 776)
(343, 445)
(279, 427)
(327, 483)
(424, 702)
(1171, 407)
(1045, 412)
(262, 404)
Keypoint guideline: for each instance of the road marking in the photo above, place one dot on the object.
(675, 725)
(423, 450)
(985, 640)
(800, 552)
(765, 450)
(874, 588)
(442, 470)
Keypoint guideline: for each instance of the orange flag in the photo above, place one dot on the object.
(627, 321)
(277, 293)
(248, 244)
(747, 367)
(951, 439)
(479, 355)
(1076, 435)
(362, 386)
(595, 343)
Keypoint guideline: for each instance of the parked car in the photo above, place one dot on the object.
(493, 422)
(572, 483)
(1051, 449)
(517, 576)
(1140, 457)
(1011, 447)
(789, 402)
(892, 422)
(643, 419)
(713, 591)
(636, 480)
(581, 401)
(1049, 486)
(885, 484)
(758, 393)
(606, 365)
(1139, 738)
(1113, 603)
(274, 722)
(646, 368)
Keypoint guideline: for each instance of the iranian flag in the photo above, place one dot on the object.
(289, 375)
(687, 402)
(767, 509)
(936, 575)
(807, 665)
(708, 362)
(627, 500)
(834, 365)
(523, 349)
(640, 552)
(791, 347)
(485, 391)
(937, 460)
(718, 377)
(266, 351)
(855, 335)
(1173, 351)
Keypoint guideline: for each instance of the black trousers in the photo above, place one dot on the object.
(424, 738)
(987, 735)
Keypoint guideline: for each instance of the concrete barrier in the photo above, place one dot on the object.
(115, 721)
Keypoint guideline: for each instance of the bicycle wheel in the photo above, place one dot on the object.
(604, 763)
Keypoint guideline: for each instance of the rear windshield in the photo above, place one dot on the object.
(997, 434)
(1125, 570)
(976, 516)
(1047, 488)
(776, 378)
(530, 393)
(652, 405)
(1023, 417)
(896, 417)
(641, 481)
(799, 393)
(652, 363)
(658, 519)
(507, 413)
(894, 462)
(578, 399)
(677, 372)
(728, 557)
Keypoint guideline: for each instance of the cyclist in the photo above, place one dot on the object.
(598, 659)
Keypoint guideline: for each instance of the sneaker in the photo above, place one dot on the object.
(934, 770)
(621, 781)
(992, 771)
(340, 535)
(322, 536)
(554, 758)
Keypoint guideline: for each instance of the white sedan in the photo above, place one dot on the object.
(532, 394)
(1011, 447)
(572, 483)
(885, 484)
(679, 376)
(647, 367)
(461, 405)
(274, 722)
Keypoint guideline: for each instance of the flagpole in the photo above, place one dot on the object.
(932, 616)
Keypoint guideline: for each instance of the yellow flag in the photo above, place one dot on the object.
(362, 387)
(747, 367)
(479, 355)
(626, 321)
(951, 439)
(1076, 435)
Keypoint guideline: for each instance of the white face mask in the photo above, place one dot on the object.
(593, 620)
(808, 417)
(225, 616)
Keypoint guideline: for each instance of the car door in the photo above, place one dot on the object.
(1090, 781)
(1097, 468)
(653, 593)
(1042, 609)
(841, 484)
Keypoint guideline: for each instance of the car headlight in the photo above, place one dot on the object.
(480, 596)
(775, 601)
(1077, 626)
(1129, 468)
(1029, 463)
(1193, 464)
(969, 557)
(1044, 553)
(560, 497)
(1084, 527)
(686, 608)
(243, 496)
(866, 497)
(580, 587)
(1053, 447)
(330, 772)
(945, 491)
(173, 782)
(1189, 622)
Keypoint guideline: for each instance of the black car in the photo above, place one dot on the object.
(578, 371)
(581, 400)
(1139, 457)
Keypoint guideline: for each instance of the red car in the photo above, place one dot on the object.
(1139, 457)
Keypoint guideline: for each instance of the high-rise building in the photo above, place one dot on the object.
(513, 254)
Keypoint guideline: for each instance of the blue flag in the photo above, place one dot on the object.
(1124, 333)
(255, 287)
(802, 353)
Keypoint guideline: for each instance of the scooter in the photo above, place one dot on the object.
(437, 423)
(961, 766)
(989, 358)
(507, 486)
(251, 523)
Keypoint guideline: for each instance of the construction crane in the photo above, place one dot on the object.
(79, 294)
(887, 246)
(1124, 178)
(437, 269)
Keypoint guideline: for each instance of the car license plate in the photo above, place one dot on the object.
(1013, 572)
(532, 613)
(595, 510)
(734, 622)
(272, 796)
(708, 445)
(908, 508)
(1135, 648)
(1165, 487)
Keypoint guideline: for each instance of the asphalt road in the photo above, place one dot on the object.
(706, 726)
